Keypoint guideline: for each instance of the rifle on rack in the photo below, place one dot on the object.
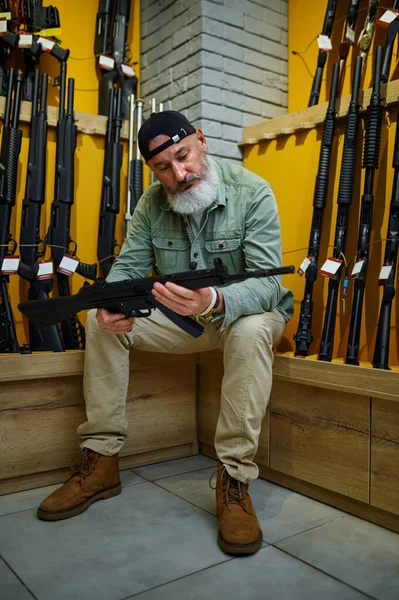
(393, 30)
(110, 194)
(345, 191)
(349, 36)
(371, 155)
(303, 337)
(9, 153)
(31, 245)
(387, 279)
(8, 42)
(58, 236)
(366, 36)
(114, 14)
(133, 297)
(135, 170)
(322, 56)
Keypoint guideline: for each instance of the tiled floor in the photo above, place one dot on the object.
(157, 541)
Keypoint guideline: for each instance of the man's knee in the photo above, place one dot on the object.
(267, 327)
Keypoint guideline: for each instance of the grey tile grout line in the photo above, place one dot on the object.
(168, 476)
(307, 530)
(18, 577)
(324, 572)
(179, 578)
(184, 499)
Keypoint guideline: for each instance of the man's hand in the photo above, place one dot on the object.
(181, 300)
(115, 323)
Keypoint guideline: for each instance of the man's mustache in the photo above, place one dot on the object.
(188, 179)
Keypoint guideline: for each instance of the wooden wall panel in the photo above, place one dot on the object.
(385, 455)
(39, 417)
(321, 437)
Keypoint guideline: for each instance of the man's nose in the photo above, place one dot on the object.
(179, 171)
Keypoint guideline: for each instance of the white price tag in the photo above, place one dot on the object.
(127, 70)
(68, 265)
(324, 43)
(25, 41)
(330, 267)
(3, 26)
(45, 271)
(350, 34)
(356, 269)
(384, 274)
(47, 45)
(106, 62)
(387, 18)
(304, 265)
(10, 265)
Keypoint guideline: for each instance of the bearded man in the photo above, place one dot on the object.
(199, 209)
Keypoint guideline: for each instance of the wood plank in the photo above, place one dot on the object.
(38, 419)
(312, 116)
(385, 455)
(42, 365)
(360, 380)
(37, 480)
(322, 437)
(87, 123)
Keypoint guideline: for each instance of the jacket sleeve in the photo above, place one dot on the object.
(136, 258)
(262, 250)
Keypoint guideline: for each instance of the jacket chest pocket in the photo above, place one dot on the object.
(230, 251)
(171, 255)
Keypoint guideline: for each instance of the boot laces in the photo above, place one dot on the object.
(233, 490)
(87, 466)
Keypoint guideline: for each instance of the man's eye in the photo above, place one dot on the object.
(183, 156)
(162, 168)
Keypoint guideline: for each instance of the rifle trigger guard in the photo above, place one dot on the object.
(138, 313)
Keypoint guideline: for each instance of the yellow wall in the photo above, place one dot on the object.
(78, 25)
(290, 163)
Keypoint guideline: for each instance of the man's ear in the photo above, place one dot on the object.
(201, 139)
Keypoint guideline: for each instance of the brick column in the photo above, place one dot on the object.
(224, 63)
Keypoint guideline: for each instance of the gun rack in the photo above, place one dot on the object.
(85, 122)
(309, 118)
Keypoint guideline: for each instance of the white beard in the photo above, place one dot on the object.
(202, 195)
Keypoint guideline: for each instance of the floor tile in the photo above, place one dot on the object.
(11, 503)
(268, 575)
(281, 512)
(141, 538)
(10, 586)
(361, 554)
(174, 467)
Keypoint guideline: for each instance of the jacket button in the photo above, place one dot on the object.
(221, 246)
(170, 243)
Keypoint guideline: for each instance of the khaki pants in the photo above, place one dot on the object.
(247, 347)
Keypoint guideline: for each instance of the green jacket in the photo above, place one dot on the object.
(241, 227)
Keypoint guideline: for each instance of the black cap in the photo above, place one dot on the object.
(167, 122)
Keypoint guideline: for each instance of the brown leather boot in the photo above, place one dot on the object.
(97, 477)
(239, 529)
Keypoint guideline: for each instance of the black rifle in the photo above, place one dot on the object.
(37, 17)
(8, 42)
(393, 30)
(371, 155)
(58, 236)
(9, 153)
(345, 45)
(345, 191)
(133, 297)
(322, 56)
(135, 170)
(116, 12)
(110, 194)
(303, 337)
(30, 244)
(381, 349)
